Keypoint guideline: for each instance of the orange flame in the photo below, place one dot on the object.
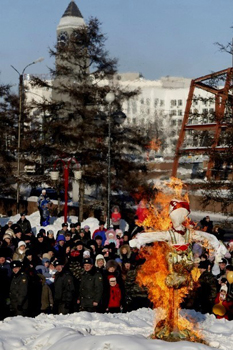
(158, 208)
(154, 271)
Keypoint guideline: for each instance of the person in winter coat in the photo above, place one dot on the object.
(20, 251)
(24, 223)
(5, 278)
(223, 307)
(46, 296)
(114, 301)
(206, 224)
(41, 198)
(99, 244)
(116, 217)
(40, 246)
(91, 287)
(84, 236)
(18, 290)
(64, 290)
(135, 296)
(100, 232)
(100, 263)
(60, 249)
(207, 291)
(43, 268)
(112, 238)
(125, 252)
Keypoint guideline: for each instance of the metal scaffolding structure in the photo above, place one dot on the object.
(223, 98)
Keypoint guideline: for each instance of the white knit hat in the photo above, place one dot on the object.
(224, 287)
(21, 243)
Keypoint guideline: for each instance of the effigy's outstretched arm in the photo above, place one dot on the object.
(219, 249)
(149, 237)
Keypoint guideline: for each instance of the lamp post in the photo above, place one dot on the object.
(21, 91)
(118, 117)
(55, 175)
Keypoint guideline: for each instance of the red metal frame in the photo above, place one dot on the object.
(221, 96)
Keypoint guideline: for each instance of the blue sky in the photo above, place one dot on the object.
(154, 37)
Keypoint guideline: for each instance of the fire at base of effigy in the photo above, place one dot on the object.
(166, 272)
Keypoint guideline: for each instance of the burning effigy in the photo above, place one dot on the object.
(166, 272)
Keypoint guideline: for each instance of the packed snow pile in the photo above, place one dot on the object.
(91, 331)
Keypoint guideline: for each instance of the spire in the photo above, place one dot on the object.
(72, 10)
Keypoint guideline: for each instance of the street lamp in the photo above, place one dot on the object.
(21, 91)
(55, 175)
(117, 117)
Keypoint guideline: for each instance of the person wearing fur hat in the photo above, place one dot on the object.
(64, 290)
(91, 287)
(125, 252)
(20, 251)
(100, 263)
(18, 290)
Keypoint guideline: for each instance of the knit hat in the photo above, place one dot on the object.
(86, 254)
(40, 235)
(112, 278)
(7, 236)
(86, 227)
(21, 243)
(224, 288)
(61, 238)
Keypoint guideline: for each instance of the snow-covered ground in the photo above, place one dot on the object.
(56, 223)
(91, 331)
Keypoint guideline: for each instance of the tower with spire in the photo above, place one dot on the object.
(71, 20)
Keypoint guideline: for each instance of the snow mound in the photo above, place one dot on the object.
(91, 331)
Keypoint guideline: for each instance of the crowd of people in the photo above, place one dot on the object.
(75, 270)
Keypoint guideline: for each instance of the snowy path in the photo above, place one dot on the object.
(86, 331)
